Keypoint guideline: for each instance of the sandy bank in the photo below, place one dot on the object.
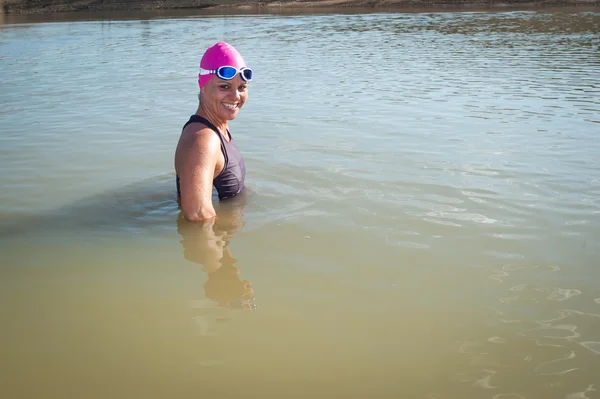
(54, 6)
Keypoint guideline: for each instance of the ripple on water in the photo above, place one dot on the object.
(594, 346)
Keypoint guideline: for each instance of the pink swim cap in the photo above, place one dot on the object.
(218, 55)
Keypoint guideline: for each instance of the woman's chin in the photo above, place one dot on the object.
(230, 114)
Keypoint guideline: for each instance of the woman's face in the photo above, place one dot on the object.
(223, 99)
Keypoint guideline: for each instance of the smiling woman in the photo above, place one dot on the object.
(206, 155)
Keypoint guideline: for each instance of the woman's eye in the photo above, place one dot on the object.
(242, 88)
(224, 87)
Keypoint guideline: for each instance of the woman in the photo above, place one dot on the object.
(206, 154)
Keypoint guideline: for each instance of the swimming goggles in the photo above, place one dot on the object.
(229, 72)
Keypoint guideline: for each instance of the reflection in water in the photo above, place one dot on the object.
(207, 244)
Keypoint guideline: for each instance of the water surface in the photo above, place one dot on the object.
(422, 221)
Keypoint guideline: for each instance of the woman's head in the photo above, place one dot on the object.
(217, 56)
(223, 81)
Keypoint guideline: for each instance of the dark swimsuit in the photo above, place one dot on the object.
(230, 181)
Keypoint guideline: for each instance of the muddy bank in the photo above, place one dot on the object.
(60, 6)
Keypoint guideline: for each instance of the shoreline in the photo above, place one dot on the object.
(46, 7)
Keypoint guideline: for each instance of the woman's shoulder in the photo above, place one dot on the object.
(198, 134)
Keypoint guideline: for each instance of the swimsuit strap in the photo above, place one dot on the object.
(204, 121)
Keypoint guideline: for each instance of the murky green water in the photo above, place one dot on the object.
(423, 219)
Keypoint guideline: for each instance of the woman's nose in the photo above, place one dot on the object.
(235, 93)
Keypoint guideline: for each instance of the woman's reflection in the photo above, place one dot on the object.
(207, 243)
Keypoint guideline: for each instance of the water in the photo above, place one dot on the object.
(423, 219)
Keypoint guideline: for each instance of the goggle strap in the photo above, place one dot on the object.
(207, 71)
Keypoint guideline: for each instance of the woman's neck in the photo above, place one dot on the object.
(219, 124)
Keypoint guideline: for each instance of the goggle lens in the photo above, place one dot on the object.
(226, 73)
(247, 74)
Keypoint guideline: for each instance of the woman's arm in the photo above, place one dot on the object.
(196, 173)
